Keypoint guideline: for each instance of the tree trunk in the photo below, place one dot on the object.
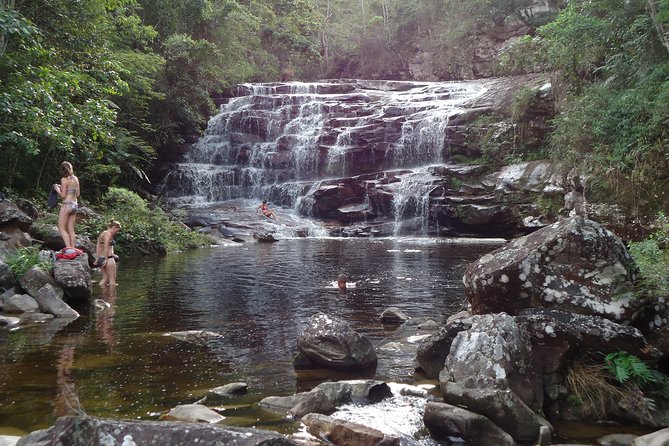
(659, 26)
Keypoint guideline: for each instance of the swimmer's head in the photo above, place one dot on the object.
(341, 281)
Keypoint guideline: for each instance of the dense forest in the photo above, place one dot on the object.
(112, 84)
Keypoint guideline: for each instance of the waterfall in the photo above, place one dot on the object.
(285, 141)
(411, 202)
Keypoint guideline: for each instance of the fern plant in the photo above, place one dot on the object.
(628, 368)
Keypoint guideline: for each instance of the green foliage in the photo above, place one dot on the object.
(651, 257)
(23, 259)
(146, 230)
(628, 368)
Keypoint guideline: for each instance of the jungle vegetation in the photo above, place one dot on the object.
(113, 84)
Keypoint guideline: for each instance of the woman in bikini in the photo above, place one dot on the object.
(266, 211)
(104, 252)
(69, 191)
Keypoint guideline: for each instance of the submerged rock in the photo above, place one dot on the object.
(193, 413)
(195, 336)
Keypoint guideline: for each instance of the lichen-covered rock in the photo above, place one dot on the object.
(90, 431)
(332, 343)
(494, 353)
(559, 336)
(432, 351)
(574, 265)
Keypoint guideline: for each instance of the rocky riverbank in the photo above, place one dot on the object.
(540, 307)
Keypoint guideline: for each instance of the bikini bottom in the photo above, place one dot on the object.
(72, 205)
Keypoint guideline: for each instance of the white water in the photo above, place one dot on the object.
(280, 140)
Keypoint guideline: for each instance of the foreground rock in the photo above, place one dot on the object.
(49, 301)
(490, 370)
(444, 420)
(300, 404)
(574, 265)
(330, 342)
(346, 433)
(90, 431)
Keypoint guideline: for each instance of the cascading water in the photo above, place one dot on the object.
(411, 203)
(282, 141)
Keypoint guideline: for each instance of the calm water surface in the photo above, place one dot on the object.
(118, 363)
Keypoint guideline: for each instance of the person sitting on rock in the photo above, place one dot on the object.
(266, 211)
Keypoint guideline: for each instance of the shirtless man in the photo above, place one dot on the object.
(104, 252)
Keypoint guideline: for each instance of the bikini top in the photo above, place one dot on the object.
(71, 190)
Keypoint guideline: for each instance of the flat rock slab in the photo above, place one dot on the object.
(90, 431)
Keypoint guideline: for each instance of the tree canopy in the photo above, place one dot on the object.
(111, 84)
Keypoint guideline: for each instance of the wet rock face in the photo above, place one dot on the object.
(573, 265)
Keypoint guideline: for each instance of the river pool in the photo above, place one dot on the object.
(119, 363)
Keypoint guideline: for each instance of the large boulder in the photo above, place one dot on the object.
(35, 278)
(501, 406)
(20, 303)
(559, 337)
(49, 301)
(331, 343)
(74, 277)
(12, 216)
(574, 265)
(494, 353)
(90, 431)
(51, 239)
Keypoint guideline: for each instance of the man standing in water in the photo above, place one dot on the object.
(104, 252)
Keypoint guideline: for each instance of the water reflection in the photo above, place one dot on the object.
(258, 296)
(66, 401)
